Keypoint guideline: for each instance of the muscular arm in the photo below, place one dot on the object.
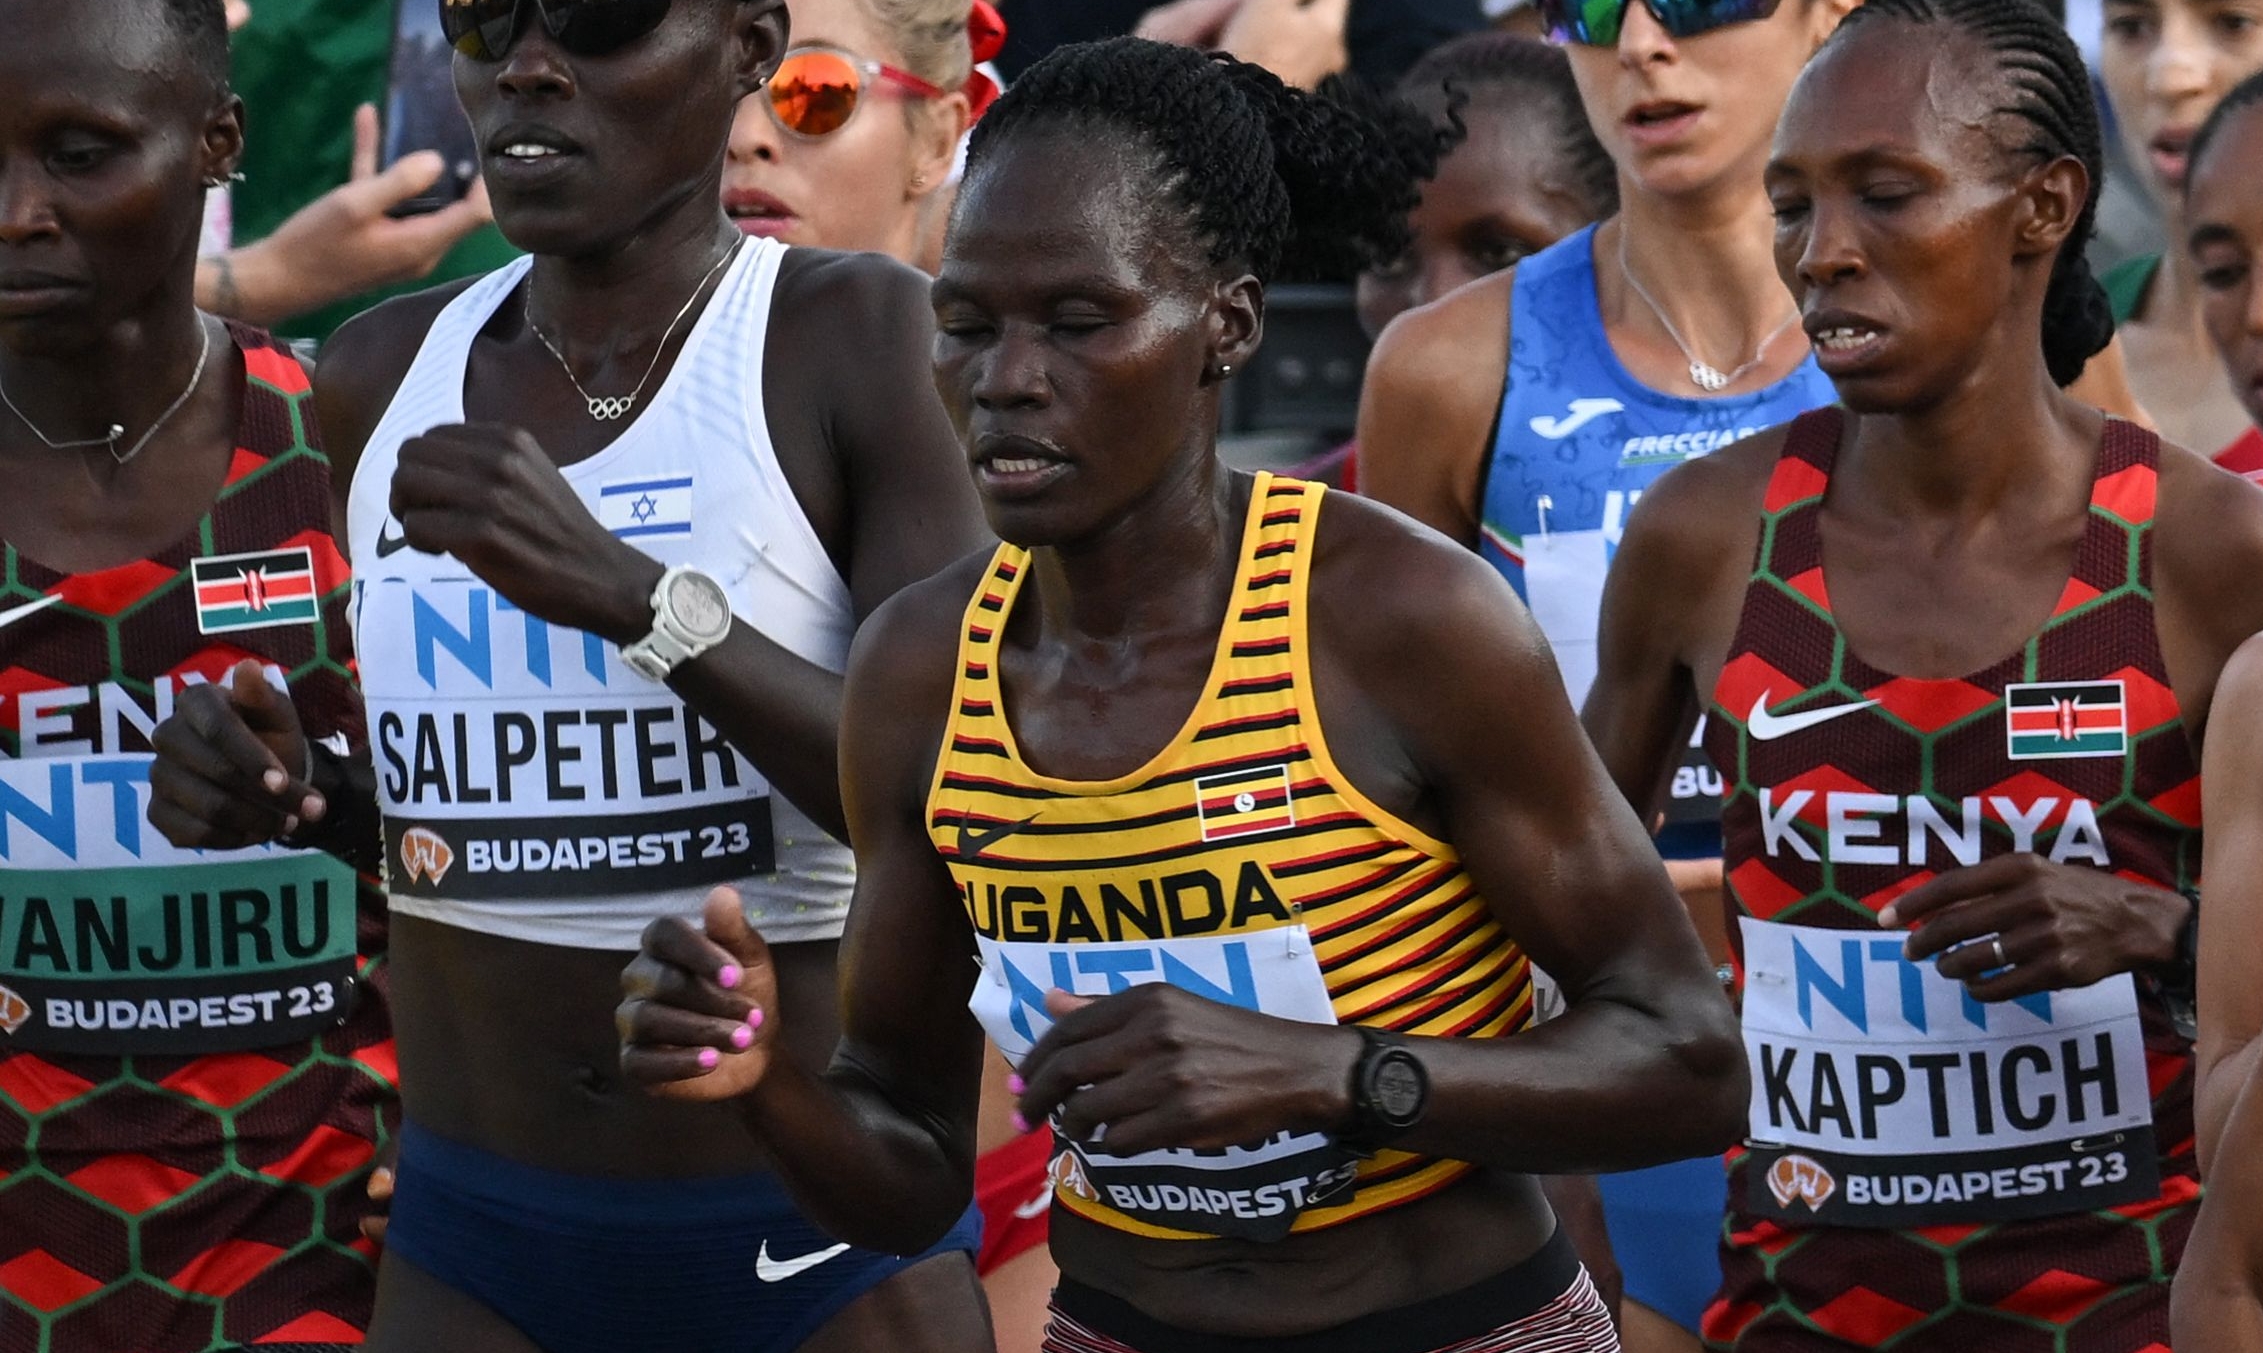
(1672, 591)
(1426, 410)
(879, 1149)
(2217, 1303)
(2231, 997)
(1566, 866)
(897, 507)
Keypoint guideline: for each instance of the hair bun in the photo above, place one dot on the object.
(2078, 320)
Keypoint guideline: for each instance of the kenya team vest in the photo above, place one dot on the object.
(195, 1059)
(533, 785)
(1239, 864)
(1955, 1153)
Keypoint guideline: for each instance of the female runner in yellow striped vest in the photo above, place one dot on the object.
(1229, 807)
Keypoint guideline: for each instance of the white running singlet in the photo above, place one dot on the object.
(535, 787)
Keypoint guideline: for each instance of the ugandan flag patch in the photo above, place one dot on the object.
(1244, 803)
(2046, 720)
(255, 591)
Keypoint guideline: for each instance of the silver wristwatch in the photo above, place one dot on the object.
(691, 613)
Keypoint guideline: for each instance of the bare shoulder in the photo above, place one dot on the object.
(902, 671)
(910, 643)
(363, 364)
(2210, 518)
(2206, 557)
(858, 287)
(1456, 346)
(1387, 586)
(1707, 509)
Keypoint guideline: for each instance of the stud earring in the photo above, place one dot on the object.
(918, 182)
(1225, 369)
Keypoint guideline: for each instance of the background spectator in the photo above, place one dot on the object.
(2167, 63)
(1382, 39)
(302, 68)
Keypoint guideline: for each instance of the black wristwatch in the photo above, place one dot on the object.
(1389, 1091)
(2179, 986)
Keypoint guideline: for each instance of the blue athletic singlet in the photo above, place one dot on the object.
(1578, 441)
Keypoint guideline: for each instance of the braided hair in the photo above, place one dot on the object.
(2049, 92)
(2245, 94)
(1292, 186)
(1530, 77)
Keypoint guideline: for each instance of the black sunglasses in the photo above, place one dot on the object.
(484, 29)
(1596, 23)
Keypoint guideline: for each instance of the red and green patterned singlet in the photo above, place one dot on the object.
(1923, 1171)
(196, 1067)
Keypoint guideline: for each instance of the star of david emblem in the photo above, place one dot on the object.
(644, 509)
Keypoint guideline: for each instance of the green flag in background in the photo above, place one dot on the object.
(302, 67)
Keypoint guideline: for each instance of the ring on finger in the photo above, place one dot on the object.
(1997, 947)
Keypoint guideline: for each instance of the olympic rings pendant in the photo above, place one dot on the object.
(611, 407)
(1707, 377)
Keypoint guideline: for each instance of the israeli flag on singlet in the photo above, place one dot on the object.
(646, 509)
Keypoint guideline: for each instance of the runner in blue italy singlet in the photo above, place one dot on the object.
(1577, 441)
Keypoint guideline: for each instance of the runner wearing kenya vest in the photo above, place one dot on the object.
(196, 1060)
(195, 1067)
(1955, 642)
(1235, 811)
(2008, 1140)
(617, 511)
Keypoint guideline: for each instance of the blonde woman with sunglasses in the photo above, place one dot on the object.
(852, 143)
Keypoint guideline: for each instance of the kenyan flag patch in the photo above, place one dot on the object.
(2046, 720)
(254, 591)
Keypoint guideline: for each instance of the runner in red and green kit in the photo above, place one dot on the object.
(1955, 642)
(196, 1068)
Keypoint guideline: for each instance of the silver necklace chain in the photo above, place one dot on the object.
(1702, 374)
(117, 430)
(607, 408)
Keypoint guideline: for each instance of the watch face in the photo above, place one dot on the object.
(700, 604)
(1398, 1088)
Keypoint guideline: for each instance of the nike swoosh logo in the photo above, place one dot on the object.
(390, 544)
(1766, 727)
(1583, 412)
(778, 1270)
(8, 618)
(973, 843)
(1035, 1206)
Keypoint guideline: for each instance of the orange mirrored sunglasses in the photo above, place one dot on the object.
(816, 90)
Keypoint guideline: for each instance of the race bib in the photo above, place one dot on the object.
(1883, 1095)
(1251, 1192)
(517, 759)
(115, 942)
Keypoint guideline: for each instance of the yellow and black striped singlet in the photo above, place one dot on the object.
(1241, 829)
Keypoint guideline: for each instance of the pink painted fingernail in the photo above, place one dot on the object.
(1020, 1123)
(742, 1037)
(709, 1059)
(754, 1018)
(729, 977)
(1015, 1084)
